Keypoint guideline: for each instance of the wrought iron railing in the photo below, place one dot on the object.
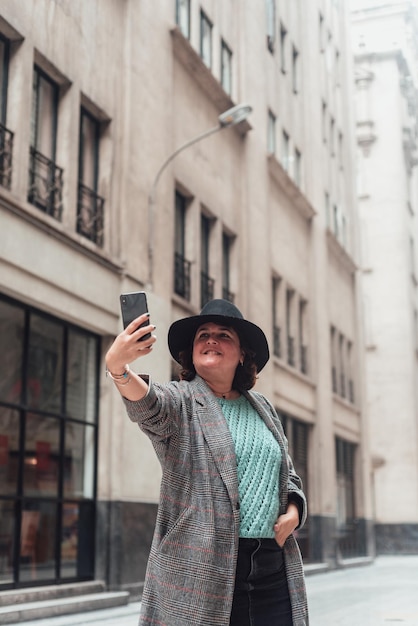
(45, 184)
(277, 346)
(351, 539)
(90, 214)
(6, 156)
(181, 276)
(291, 351)
(206, 288)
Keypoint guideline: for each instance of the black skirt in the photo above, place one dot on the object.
(261, 595)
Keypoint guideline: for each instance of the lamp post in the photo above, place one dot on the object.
(231, 117)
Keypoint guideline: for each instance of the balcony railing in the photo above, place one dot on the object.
(304, 359)
(227, 295)
(291, 351)
(6, 156)
(45, 184)
(90, 214)
(277, 346)
(181, 276)
(206, 288)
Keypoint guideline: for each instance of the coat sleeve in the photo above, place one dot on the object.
(157, 414)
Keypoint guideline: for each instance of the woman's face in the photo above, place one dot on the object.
(216, 351)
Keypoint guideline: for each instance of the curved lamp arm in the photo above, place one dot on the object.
(229, 118)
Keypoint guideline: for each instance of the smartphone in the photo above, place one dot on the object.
(132, 305)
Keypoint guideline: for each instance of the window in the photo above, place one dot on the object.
(271, 23)
(324, 121)
(297, 168)
(205, 40)
(277, 347)
(45, 177)
(334, 360)
(295, 70)
(332, 136)
(206, 282)
(271, 133)
(303, 357)
(6, 136)
(48, 433)
(181, 265)
(337, 68)
(297, 434)
(341, 356)
(289, 327)
(321, 33)
(340, 151)
(343, 230)
(350, 542)
(283, 38)
(335, 221)
(285, 151)
(350, 370)
(90, 204)
(226, 267)
(226, 68)
(183, 17)
(327, 205)
(4, 74)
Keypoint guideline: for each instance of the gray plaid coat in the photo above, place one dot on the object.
(191, 567)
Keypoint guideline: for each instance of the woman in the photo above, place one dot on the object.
(223, 552)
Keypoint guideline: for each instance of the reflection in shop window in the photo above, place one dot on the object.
(45, 364)
(41, 462)
(78, 460)
(11, 348)
(81, 376)
(48, 408)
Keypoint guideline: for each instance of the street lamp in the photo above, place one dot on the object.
(231, 117)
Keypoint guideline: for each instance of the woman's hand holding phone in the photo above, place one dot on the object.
(135, 341)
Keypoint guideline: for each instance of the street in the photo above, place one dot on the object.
(380, 594)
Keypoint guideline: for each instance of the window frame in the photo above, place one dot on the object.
(206, 27)
(183, 9)
(226, 76)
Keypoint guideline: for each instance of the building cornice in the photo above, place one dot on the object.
(55, 229)
(292, 191)
(340, 254)
(203, 76)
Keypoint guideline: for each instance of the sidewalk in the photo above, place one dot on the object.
(380, 594)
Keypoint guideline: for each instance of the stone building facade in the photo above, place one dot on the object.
(385, 39)
(95, 96)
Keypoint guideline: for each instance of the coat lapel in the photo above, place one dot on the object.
(218, 437)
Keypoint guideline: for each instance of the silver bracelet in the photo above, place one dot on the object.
(119, 378)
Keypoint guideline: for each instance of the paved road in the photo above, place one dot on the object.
(384, 593)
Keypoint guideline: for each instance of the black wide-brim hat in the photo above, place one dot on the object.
(223, 312)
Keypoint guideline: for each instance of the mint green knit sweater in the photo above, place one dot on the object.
(258, 465)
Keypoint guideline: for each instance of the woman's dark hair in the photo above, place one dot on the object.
(245, 374)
